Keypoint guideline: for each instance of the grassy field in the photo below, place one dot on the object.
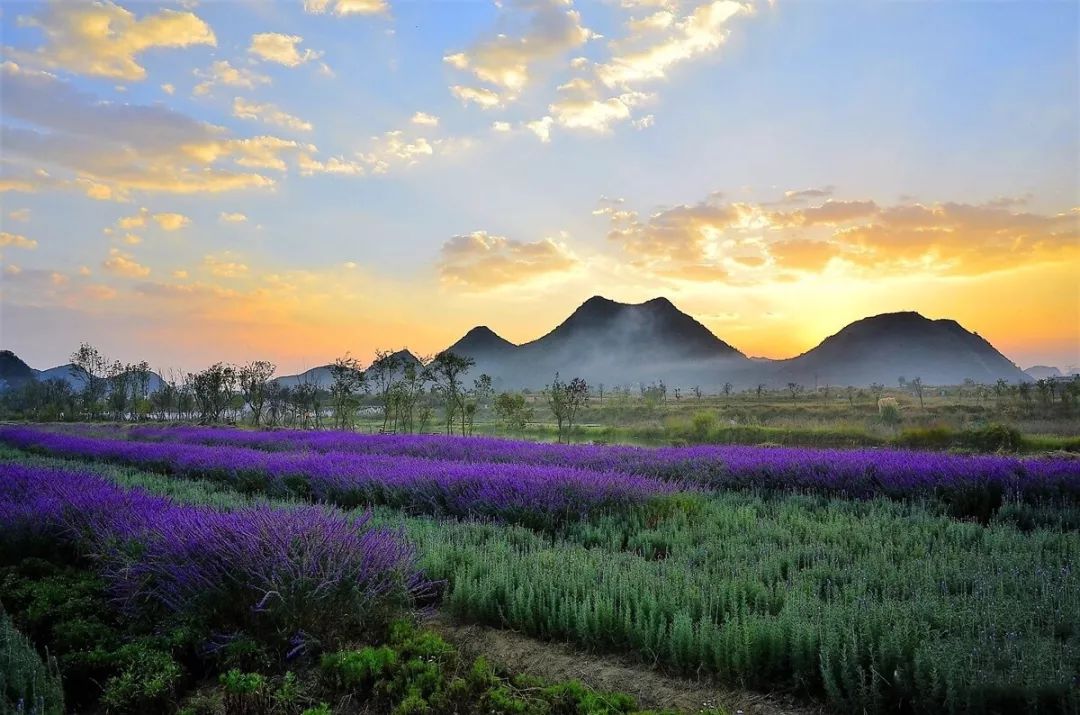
(866, 605)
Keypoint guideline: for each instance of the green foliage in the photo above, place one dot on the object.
(245, 693)
(146, 682)
(28, 684)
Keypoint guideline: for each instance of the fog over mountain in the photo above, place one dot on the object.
(604, 341)
(619, 343)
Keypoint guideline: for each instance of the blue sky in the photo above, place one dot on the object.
(938, 142)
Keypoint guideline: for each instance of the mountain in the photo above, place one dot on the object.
(884, 348)
(324, 378)
(13, 371)
(482, 342)
(72, 375)
(1039, 372)
(616, 343)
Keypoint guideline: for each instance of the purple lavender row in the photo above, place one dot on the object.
(859, 473)
(534, 495)
(272, 573)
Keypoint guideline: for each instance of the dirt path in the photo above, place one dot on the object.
(652, 689)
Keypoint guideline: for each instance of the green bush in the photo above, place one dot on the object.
(993, 438)
(27, 683)
(146, 682)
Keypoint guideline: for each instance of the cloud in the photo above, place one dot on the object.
(580, 107)
(232, 217)
(113, 149)
(483, 261)
(333, 165)
(347, 7)
(551, 30)
(500, 126)
(659, 42)
(168, 88)
(541, 128)
(480, 96)
(224, 265)
(424, 119)
(171, 221)
(223, 73)
(103, 39)
(268, 113)
(15, 240)
(807, 194)
(21, 215)
(124, 264)
(395, 148)
(750, 243)
(279, 48)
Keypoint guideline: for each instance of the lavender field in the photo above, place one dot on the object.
(858, 581)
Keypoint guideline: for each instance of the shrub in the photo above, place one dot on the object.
(146, 682)
(889, 410)
(27, 683)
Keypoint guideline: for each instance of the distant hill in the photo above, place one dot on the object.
(324, 378)
(1039, 372)
(884, 348)
(616, 343)
(13, 371)
(72, 375)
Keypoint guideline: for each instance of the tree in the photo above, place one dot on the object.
(795, 389)
(254, 381)
(448, 373)
(564, 399)
(411, 401)
(88, 362)
(116, 378)
(728, 387)
(917, 388)
(382, 375)
(876, 389)
(850, 391)
(481, 393)
(760, 391)
(212, 390)
(513, 411)
(348, 381)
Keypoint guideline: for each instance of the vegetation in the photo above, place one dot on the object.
(401, 393)
(824, 596)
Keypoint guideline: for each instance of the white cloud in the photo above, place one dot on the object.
(425, 119)
(541, 128)
(232, 217)
(480, 96)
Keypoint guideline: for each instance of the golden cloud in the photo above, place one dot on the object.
(282, 49)
(124, 264)
(506, 62)
(268, 113)
(659, 42)
(753, 243)
(171, 221)
(483, 261)
(104, 39)
(347, 7)
(223, 73)
(15, 240)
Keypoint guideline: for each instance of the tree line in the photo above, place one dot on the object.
(402, 392)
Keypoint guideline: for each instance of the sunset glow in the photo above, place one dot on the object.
(191, 182)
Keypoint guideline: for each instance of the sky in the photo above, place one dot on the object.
(190, 182)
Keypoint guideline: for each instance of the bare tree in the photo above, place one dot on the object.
(90, 364)
(348, 382)
(254, 381)
(917, 388)
(564, 399)
(448, 373)
(795, 389)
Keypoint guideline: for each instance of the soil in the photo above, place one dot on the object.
(651, 688)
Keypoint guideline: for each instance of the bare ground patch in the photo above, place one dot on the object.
(651, 688)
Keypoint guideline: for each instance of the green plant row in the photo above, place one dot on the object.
(875, 605)
(28, 683)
